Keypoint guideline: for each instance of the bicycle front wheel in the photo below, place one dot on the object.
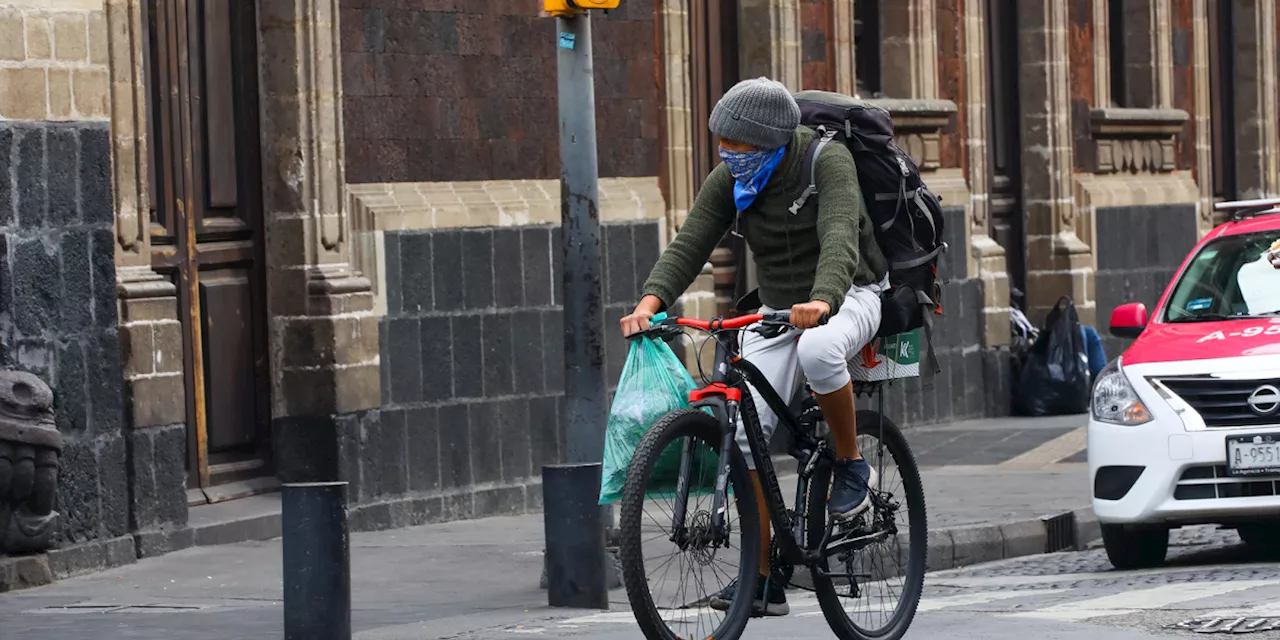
(671, 572)
(870, 584)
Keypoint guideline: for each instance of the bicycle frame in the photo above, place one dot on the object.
(725, 398)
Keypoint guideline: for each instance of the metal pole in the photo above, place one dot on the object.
(317, 561)
(580, 229)
(575, 536)
(575, 539)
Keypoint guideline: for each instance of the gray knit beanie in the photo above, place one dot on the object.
(759, 112)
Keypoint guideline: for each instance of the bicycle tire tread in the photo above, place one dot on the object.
(630, 552)
(832, 608)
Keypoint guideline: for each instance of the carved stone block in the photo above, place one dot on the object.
(918, 127)
(29, 449)
(1136, 140)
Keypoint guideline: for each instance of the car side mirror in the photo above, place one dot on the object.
(1128, 320)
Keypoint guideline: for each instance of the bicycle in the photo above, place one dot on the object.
(803, 536)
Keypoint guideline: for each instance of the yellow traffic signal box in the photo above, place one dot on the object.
(570, 7)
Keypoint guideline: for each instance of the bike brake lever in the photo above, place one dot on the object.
(662, 332)
(770, 330)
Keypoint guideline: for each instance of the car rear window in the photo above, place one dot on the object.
(1233, 276)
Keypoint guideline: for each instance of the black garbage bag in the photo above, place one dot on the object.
(1054, 377)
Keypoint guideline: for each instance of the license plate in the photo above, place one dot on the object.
(1255, 455)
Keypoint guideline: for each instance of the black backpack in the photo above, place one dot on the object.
(906, 214)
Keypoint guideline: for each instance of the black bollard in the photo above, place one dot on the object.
(317, 561)
(574, 536)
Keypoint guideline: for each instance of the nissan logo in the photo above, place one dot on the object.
(1265, 400)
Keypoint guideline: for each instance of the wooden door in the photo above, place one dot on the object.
(1004, 146)
(207, 226)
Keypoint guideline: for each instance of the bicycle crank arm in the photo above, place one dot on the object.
(854, 543)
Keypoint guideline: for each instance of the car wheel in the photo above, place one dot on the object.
(1260, 534)
(1135, 548)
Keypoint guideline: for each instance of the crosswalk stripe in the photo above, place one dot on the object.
(1133, 601)
(804, 604)
(1060, 448)
(973, 599)
(1268, 610)
(962, 600)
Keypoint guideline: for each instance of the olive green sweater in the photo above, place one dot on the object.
(816, 254)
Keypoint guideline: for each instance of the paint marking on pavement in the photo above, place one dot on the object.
(1059, 448)
(973, 599)
(1140, 600)
(947, 602)
(1268, 610)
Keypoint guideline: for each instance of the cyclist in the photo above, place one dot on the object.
(820, 261)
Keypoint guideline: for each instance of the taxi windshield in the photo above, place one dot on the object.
(1232, 277)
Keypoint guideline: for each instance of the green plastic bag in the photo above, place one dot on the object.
(654, 383)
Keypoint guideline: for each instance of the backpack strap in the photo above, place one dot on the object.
(928, 303)
(811, 167)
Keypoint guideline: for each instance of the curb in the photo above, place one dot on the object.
(38, 570)
(955, 547)
(965, 545)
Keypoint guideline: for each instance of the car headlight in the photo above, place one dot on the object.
(1114, 399)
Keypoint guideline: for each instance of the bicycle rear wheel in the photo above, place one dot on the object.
(670, 592)
(870, 588)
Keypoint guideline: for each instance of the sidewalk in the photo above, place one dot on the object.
(987, 485)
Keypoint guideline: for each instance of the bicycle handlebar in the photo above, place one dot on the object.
(774, 323)
(739, 322)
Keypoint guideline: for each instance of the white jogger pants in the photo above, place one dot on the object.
(820, 355)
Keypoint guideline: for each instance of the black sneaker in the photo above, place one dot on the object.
(774, 605)
(850, 483)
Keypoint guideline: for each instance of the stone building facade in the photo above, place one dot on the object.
(255, 242)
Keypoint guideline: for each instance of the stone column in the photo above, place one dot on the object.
(1257, 130)
(842, 39)
(769, 40)
(324, 335)
(909, 49)
(1203, 117)
(986, 256)
(151, 334)
(1058, 262)
(677, 113)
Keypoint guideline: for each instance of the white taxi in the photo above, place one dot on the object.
(1185, 425)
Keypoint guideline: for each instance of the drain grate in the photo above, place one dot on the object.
(1251, 624)
(1060, 532)
(89, 608)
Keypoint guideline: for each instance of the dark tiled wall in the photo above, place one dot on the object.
(472, 362)
(445, 90)
(817, 68)
(1139, 251)
(58, 315)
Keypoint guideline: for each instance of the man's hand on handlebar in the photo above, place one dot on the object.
(639, 319)
(810, 314)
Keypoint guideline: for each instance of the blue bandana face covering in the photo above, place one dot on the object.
(751, 171)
